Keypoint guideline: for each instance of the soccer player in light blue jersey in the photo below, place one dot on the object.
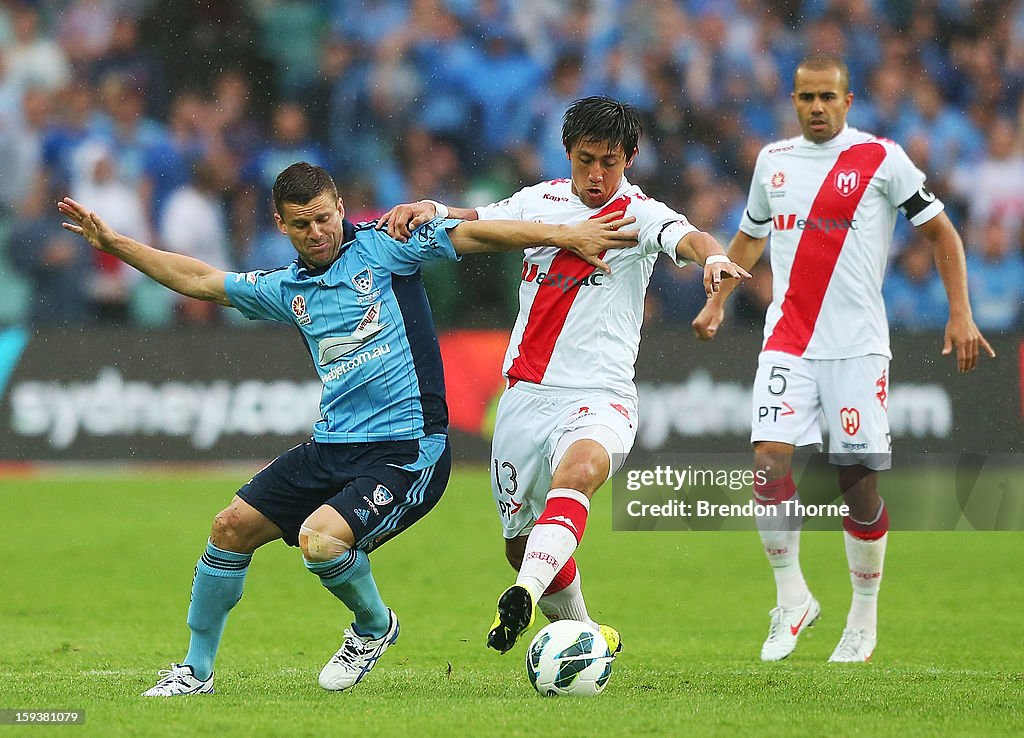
(378, 459)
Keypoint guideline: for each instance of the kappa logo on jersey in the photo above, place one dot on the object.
(778, 179)
(789, 221)
(333, 348)
(363, 281)
(883, 392)
(532, 273)
(556, 198)
(299, 308)
(846, 183)
(382, 495)
(849, 417)
(622, 411)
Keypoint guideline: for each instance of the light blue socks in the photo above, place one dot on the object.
(349, 578)
(217, 588)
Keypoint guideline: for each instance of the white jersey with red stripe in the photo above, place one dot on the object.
(831, 209)
(578, 327)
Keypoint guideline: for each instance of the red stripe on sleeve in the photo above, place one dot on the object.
(818, 251)
(550, 309)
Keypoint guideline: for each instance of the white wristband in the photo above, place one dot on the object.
(717, 259)
(441, 210)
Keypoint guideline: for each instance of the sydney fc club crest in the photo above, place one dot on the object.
(363, 281)
(382, 495)
(846, 183)
(299, 308)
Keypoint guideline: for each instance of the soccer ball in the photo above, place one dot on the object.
(569, 658)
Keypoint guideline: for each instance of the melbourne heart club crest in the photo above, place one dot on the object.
(847, 182)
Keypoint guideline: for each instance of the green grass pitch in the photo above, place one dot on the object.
(96, 574)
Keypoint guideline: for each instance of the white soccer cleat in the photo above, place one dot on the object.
(786, 626)
(856, 646)
(179, 679)
(356, 657)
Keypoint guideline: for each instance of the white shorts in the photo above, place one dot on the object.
(851, 395)
(535, 426)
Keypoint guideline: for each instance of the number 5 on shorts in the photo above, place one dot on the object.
(778, 373)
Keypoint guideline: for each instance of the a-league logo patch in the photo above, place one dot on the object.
(778, 179)
(299, 308)
(382, 495)
(849, 417)
(363, 281)
(847, 182)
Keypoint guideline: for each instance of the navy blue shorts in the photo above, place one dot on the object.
(379, 488)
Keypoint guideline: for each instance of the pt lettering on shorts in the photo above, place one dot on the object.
(772, 413)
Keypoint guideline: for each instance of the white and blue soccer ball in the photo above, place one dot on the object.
(569, 658)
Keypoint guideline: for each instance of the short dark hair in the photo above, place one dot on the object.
(821, 62)
(300, 183)
(599, 118)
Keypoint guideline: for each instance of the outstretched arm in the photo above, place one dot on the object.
(183, 274)
(961, 332)
(699, 247)
(587, 239)
(744, 251)
(401, 220)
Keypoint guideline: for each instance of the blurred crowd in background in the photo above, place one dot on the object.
(171, 118)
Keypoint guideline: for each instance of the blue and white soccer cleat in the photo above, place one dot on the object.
(356, 657)
(786, 626)
(178, 680)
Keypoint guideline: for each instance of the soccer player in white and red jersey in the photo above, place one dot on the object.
(829, 200)
(569, 416)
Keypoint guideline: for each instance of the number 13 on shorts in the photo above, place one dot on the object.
(506, 485)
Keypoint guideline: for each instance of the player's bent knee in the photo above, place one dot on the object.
(229, 531)
(583, 467)
(319, 546)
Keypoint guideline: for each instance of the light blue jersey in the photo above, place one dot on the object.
(368, 327)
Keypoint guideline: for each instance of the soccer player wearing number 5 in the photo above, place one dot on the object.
(569, 416)
(378, 460)
(829, 200)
